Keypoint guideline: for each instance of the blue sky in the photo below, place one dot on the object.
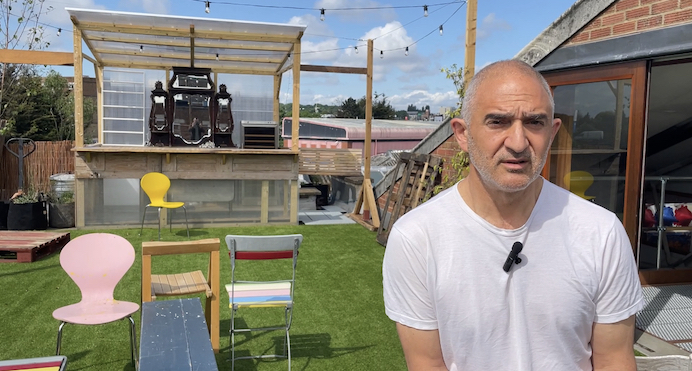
(504, 28)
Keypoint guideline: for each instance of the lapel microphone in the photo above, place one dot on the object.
(512, 257)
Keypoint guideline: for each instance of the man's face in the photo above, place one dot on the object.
(510, 132)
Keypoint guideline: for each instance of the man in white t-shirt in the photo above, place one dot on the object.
(565, 301)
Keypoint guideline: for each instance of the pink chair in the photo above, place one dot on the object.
(96, 262)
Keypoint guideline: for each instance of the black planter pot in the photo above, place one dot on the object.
(61, 215)
(4, 208)
(22, 217)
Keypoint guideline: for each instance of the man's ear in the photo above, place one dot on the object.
(556, 126)
(460, 132)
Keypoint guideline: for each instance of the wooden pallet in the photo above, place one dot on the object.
(29, 246)
(421, 173)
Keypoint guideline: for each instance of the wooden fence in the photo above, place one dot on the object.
(48, 159)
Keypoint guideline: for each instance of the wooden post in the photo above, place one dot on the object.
(366, 197)
(277, 88)
(78, 89)
(295, 125)
(264, 203)
(367, 146)
(470, 55)
(99, 101)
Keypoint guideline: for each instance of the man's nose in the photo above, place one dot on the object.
(516, 137)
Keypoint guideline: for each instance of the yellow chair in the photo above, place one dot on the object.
(579, 182)
(155, 185)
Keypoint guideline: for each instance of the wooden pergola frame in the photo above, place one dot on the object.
(143, 41)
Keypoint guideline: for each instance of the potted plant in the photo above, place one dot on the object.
(61, 209)
(27, 211)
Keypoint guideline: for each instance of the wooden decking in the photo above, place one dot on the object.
(29, 246)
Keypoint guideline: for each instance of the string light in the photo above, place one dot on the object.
(206, 7)
(356, 48)
(59, 31)
(425, 10)
(381, 54)
(141, 48)
(440, 30)
(406, 52)
(322, 14)
(217, 56)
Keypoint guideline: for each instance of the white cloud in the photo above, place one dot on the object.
(314, 45)
(357, 15)
(491, 25)
(422, 98)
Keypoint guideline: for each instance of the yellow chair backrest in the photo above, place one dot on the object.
(579, 182)
(155, 185)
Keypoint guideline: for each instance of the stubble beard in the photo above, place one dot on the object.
(485, 167)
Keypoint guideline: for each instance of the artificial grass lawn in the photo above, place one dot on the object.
(338, 320)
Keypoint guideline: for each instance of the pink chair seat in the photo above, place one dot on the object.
(95, 313)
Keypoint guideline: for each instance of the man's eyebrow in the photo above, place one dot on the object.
(498, 116)
(535, 116)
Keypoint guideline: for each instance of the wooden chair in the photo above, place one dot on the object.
(185, 283)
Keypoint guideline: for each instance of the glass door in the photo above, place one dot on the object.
(597, 153)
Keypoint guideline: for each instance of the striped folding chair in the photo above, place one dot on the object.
(262, 294)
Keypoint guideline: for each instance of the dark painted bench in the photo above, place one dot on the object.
(174, 336)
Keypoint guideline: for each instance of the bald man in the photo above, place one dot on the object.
(505, 270)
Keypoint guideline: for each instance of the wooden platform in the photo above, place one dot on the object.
(29, 246)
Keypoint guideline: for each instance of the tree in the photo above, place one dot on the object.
(456, 74)
(19, 29)
(48, 113)
(350, 109)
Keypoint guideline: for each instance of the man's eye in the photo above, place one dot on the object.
(536, 123)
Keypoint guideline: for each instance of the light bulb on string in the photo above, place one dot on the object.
(425, 10)
(381, 54)
(440, 30)
(356, 49)
(206, 7)
(59, 31)
(406, 52)
(322, 14)
(141, 48)
(217, 56)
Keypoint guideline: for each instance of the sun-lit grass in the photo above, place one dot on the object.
(339, 321)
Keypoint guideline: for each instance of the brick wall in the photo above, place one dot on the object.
(626, 17)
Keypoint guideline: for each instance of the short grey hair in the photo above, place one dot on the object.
(510, 66)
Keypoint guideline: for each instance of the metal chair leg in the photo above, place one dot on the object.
(144, 214)
(187, 225)
(159, 224)
(62, 324)
(232, 339)
(133, 343)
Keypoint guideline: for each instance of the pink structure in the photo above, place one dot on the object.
(350, 133)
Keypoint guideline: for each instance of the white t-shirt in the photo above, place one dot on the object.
(443, 270)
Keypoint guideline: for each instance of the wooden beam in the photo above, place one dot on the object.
(92, 60)
(183, 55)
(192, 45)
(99, 101)
(36, 57)
(367, 150)
(183, 32)
(333, 69)
(284, 59)
(78, 89)
(200, 42)
(277, 89)
(470, 55)
(295, 133)
(159, 66)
